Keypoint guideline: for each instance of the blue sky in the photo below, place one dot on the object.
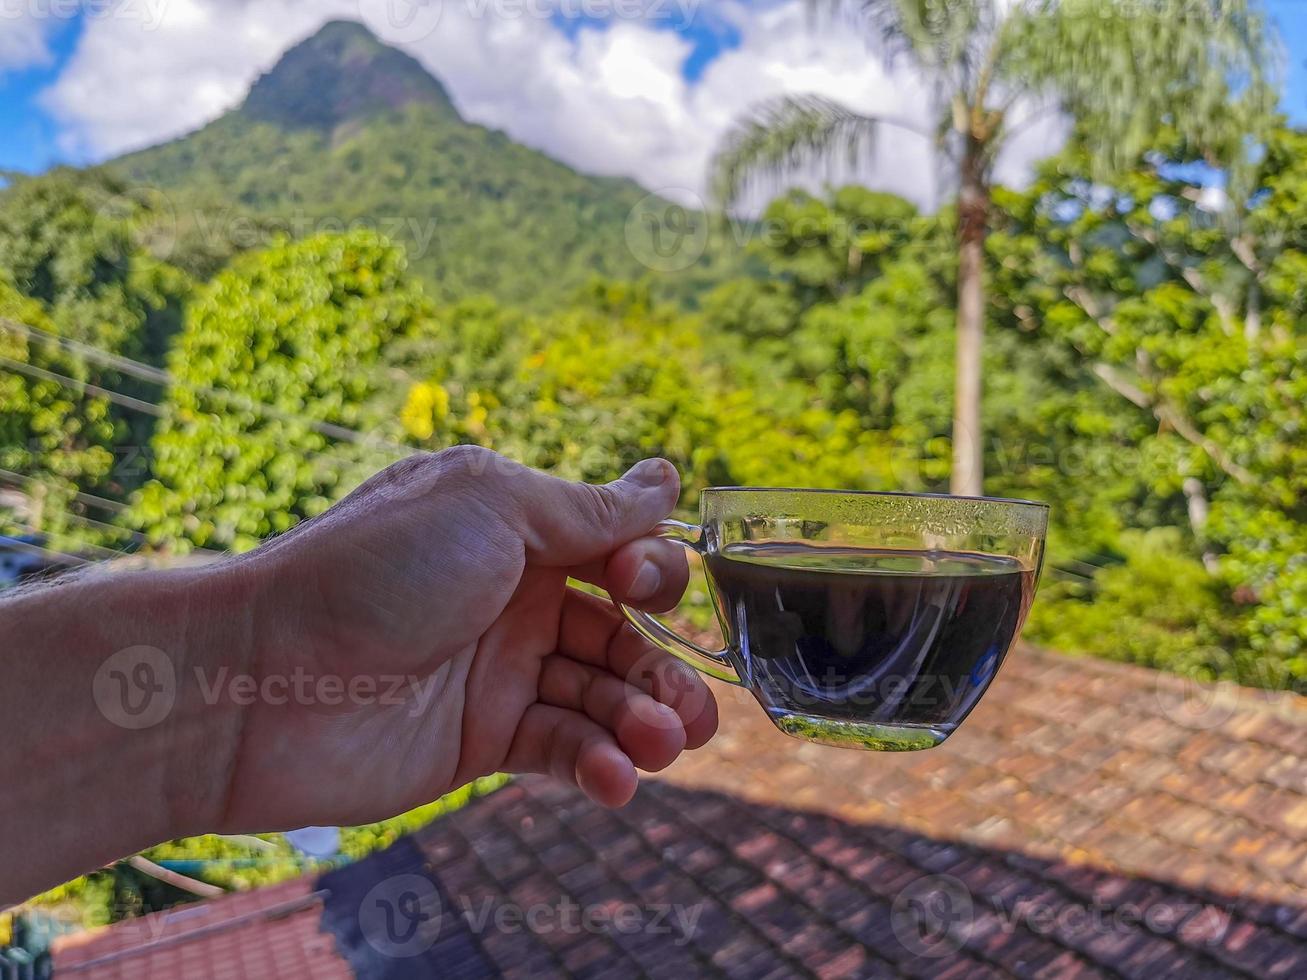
(709, 37)
(1291, 18)
(30, 133)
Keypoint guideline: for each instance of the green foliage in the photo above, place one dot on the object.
(1176, 314)
(78, 282)
(58, 437)
(345, 133)
(754, 311)
(1159, 607)
(1120, 69)
(786, 135)
(81, 243)
(1145, 366)
(283, 343)
(585, 393)
(828, 248)
(805, 380)
(588, 392)
(234, 863)
(356, 842)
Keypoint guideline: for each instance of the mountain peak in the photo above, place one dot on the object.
(341, 73)
(343, 31)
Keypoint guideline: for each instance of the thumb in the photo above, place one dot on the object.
(564, 523)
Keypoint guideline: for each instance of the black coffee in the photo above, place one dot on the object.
(868, 637)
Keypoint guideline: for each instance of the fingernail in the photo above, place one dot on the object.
(648, 473)
(646, 581)
(655, 714)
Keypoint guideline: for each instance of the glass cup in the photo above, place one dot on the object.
(866, 620)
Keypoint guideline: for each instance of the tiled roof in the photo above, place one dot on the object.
(1088, 819)
(268, 932)
(1128, 769)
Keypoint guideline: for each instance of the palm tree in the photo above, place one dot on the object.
(1120, 68)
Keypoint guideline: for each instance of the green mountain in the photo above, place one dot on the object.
(347, 131)
(340, 74)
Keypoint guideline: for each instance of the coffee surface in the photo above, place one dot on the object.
(869, 635)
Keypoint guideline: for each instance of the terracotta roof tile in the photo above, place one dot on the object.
(1090, 819)
(267, 932)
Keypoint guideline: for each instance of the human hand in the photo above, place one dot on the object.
(439, 588)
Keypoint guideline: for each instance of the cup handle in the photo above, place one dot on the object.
(714, 663)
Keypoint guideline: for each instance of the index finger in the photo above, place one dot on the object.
(647, 573)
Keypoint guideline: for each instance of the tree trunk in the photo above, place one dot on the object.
(973, 222)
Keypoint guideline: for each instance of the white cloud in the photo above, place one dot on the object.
(612, 102)
(134, 81)
(23, 37)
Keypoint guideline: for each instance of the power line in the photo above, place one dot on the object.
(86, 498)
(125, 364)
(55, 557)
(105, 554)
(157, 376)
(18, 478)
(93, 501)
(159, 411)
(136, 536)
(389, 451)
(127, 401)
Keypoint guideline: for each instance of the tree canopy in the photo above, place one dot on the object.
(273, 376)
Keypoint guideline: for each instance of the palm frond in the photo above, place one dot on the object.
(1206, 67)
(944, 37)
(784, 136)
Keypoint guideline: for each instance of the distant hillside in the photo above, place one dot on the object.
(345, 129)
